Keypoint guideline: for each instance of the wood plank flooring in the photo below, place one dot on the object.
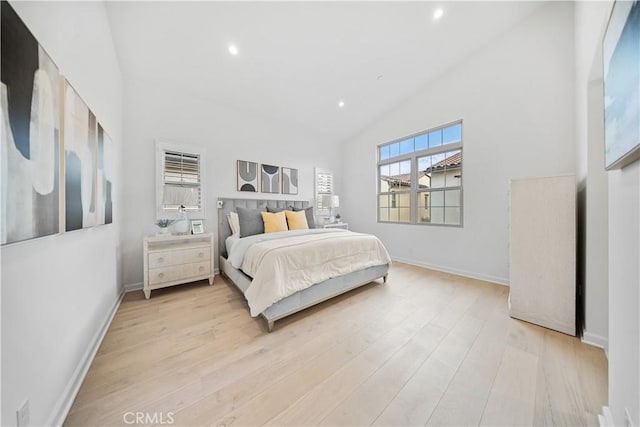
(426, 348)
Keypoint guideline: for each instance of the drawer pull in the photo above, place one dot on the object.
(201, 268)
(161, 275)
(161, 259)
(201, 254)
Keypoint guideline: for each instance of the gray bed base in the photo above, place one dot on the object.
(300, 300)
(307, 297)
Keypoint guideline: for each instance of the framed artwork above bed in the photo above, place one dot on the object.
(270, 176)
(289, 181)
(247, 176)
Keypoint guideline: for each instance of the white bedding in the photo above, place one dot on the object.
(231, 240)
(282, 264)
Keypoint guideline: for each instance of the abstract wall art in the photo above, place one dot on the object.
(50, 140)
(30, 138)
(289, 181)
(247, 176)
(106, 174)
(621, 55)
(80, 159)
(270, 179)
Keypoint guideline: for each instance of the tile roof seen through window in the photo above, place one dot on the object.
(449, 162)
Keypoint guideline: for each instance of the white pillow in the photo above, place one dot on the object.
(234, 223)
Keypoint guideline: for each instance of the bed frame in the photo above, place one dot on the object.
(301, 299)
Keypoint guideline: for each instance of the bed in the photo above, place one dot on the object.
(299, 300)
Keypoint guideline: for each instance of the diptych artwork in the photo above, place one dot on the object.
(270, 179)
(247, 176)
(40, 146)
(289, 181)
(30, 98)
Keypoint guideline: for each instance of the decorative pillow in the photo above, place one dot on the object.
(234, 223)
(311, 223)
(250, 221)
(276, 210)
(297, 220)
(274, 222)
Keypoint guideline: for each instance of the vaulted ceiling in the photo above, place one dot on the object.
(297, 60)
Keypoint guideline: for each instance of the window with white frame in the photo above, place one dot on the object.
(179, 181)
(324, 187)
(420, 178)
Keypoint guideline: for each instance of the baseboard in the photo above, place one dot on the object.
(606, 419)
(485, 277)
(596, 341)
(132, 287)
(71, 390)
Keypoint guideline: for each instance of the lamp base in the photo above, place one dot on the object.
(181, 226)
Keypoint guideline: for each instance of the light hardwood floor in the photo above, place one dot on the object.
(426, 348)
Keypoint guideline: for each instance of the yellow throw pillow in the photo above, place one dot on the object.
(297, 220)
(274, 222)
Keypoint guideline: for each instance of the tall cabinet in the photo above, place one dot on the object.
(543, 252)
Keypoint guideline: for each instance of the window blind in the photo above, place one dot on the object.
(324, 186)
(181, 179)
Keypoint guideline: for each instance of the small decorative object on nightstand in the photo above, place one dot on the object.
(173, 260)
(197, 226)
(163, 225)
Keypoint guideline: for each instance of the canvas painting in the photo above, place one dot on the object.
(247, 176)
(270, 179)
(30, 97)
(289, 181)
(80, 157)
(104, 190)
(621, 54)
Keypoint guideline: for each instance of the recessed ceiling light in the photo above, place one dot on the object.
(438, 14)
(341, 104)
(233, 49)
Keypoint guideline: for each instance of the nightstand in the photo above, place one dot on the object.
(172, 260)
(342, 225)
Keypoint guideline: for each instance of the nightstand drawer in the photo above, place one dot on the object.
(165, 274)
(196, 269)
(164, 259)
(196, 255)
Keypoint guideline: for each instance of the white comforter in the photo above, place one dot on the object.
(282, 264)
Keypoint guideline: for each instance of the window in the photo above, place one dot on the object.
(179, 180)
(324, 187)
(420, 178)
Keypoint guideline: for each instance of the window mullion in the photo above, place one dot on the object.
(413, 200)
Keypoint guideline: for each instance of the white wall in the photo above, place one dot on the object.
(516, 98)
(592, 177)
(57, 291)
(155, 111)
(622, 198)
(624, 293)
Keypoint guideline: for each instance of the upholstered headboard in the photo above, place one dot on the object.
(230, 205)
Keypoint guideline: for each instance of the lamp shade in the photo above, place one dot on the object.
(331, 201)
